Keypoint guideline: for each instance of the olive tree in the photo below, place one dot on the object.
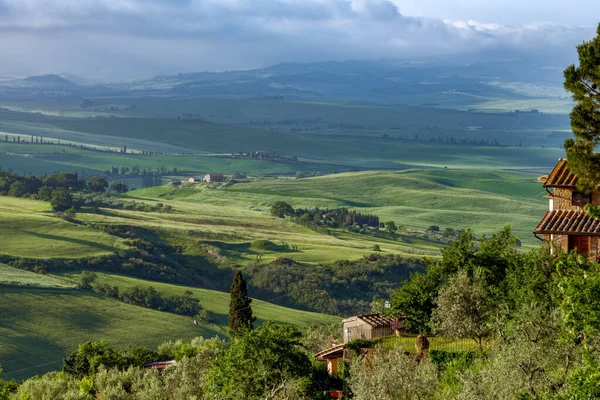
(391, 375)
(463, 308)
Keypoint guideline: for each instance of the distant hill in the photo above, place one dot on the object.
(48, 82)
(447, 81)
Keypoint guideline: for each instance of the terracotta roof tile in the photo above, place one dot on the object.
(568, 222)
(561, 176)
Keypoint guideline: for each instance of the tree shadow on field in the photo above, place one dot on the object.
(81, 242)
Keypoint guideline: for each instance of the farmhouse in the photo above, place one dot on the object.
(368, 326)
(195, 179)
(214, 178)
(566, 225)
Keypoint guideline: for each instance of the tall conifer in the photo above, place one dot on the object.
(240, 312)
(583, 81)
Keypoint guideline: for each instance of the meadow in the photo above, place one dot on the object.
(10, 276)
(39, 325)
(29, 229)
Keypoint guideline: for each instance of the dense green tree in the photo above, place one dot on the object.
(97, 184)
(7, 388)
(583, 82)
(463, 309)
(17, 189)
(415, 298)
(281, 209)
(392, 376)
(240, 311)
(493, 258)
(45, 193)
(61, 200)
(119, 187)
(390, 226)
(259, 363)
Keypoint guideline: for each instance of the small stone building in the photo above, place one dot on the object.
(214, 178)
(194, 179)
(369, 326)
(566, 225)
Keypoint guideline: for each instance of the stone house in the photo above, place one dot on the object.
(566, 225)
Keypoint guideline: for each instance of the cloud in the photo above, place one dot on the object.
(143, 37)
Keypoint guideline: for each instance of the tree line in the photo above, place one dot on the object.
(147, 297)
(333, 218)
(58, 189)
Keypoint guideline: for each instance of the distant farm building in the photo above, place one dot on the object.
(566, 226)
(161, 365)
(369, 326)
(195, 179)
(364, 327)
(214, 178)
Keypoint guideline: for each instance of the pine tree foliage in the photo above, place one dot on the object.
(583, 82)
(240, 312)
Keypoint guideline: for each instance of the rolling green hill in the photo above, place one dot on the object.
(481, 200)
(39, 325)
(29, 229)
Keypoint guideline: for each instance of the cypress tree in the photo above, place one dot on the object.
(240, 312)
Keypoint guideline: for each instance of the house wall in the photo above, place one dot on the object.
(596, 198)
(357, 330)
(560, 242)
(562, 200)
(382, 332)
(594, 247)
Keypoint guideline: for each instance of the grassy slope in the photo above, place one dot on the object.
(218, 303)
(39, 325)
(10, 276)
(483, 201)
(27, 229)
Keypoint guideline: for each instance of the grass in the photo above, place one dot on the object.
(481, 200)
(218, 303)
(10, 276)
(39, 326)
(37, 158)
(29, 230)
(233, 221)
(365, 148)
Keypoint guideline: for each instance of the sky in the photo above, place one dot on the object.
(127, 39)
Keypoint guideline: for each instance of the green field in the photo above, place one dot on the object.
(484, 201)
(228, 219)
(38, 159)
(39, 326)
(28, 229)
(481, 200)
(10, 276)
(389, 138)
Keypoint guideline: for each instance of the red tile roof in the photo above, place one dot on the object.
(561, 176)
(568, 222)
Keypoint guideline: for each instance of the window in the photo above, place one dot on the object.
(579, 242)
(580, 199)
